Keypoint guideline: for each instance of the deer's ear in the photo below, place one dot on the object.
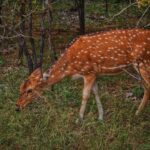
(45, 76)
(37, 73)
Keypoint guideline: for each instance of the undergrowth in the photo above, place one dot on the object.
(50, 122)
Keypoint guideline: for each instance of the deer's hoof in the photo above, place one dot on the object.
(79, 120)
(100, 118)
(137, 113)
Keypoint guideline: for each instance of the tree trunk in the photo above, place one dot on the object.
(80, 4)
(106, 8)
(1, 2)
(34, 56)
(51, 48)
(42, 42)
(22, 24)
(23, 47)
(22, 43)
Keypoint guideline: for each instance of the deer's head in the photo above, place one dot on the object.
(30, 89)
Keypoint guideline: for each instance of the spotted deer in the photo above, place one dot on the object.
(91, 55)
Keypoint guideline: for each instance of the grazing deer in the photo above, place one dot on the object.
(91, 55)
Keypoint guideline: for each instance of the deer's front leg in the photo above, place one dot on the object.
(98, 102)
(88, 84)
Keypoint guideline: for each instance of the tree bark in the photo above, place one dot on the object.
(42, 42)
(21, 40)
(23, 47)
(34, 56)
(51, 48)
(22, 24)
(80, 4)
(106, 8)
(1, 2)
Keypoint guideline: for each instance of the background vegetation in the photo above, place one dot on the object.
(50, 122)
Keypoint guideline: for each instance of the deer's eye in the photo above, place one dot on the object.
(29, 91)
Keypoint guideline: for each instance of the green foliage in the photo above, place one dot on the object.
(144, 2)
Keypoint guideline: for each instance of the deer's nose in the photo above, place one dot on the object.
(17, 108)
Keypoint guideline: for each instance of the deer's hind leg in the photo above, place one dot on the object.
(88, 84)
(145, 73)
(98, 102)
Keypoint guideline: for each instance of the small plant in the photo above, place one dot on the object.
(137, 91)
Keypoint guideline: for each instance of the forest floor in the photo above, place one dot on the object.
(50, 122)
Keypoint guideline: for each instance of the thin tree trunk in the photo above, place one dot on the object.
(21, 39)
(80, 4)
(106, 7)
(42, 43)
(34, 56)
(23, 47)
(51, 48)
(1, 2)
(22, 25)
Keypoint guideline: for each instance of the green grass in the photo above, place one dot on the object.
(50, 123)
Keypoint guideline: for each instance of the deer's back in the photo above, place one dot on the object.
(109, 52)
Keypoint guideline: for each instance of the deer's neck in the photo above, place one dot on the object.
(59, 71)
